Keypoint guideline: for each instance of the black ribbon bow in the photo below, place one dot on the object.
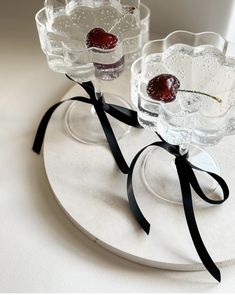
(187, 180)
(185, 169)
(122, 114)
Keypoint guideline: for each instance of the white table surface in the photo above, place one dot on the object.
(40, 249)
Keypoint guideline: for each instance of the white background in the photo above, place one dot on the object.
(40, 250)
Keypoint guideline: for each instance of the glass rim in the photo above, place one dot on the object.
(38, 14)
(175, 33)
(134, 65)
(147, 9)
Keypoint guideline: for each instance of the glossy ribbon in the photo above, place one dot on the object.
(187, 180)
(122, 114)
(185, 169)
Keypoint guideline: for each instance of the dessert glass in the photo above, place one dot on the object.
(203, 62)
(63, 26)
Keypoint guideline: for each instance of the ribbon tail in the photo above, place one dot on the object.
(107, 128)
(182, 169)
(38, 141)
(112, 141)
(223, 185)
(41, 131)
(124, 115)
(135, 209)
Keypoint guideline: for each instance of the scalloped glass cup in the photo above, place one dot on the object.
(63, 28)
(145, 14)
(78, 66)
(202, 62)
(51, 41)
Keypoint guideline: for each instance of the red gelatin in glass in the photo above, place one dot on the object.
(101, 39)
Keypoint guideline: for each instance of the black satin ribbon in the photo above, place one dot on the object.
(122, 114)
(187, 180)
(185, 169)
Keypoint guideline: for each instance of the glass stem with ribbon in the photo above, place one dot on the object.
(100, 67)
(158, 170)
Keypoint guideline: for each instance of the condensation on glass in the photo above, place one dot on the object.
(202, 62)
(64, 24)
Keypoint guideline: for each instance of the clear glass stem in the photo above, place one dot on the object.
(97, 84)
(184, 149)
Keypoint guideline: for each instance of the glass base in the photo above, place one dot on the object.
(160, 176)
(83, 124)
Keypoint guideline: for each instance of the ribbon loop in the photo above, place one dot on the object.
(122, 114)
(196, 186)
(39, 138)
(184, 168)
(187, 179)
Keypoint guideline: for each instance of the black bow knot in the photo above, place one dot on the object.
(187, 180)
(184, 168)
(124, 115)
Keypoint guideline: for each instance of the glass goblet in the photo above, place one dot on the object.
(201, 113)
(64, 27)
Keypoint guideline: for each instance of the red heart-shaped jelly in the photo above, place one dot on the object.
(101, 39)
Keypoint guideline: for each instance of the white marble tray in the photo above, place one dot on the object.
(92, 192)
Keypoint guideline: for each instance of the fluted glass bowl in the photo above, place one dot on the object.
(203, 62)
(63, 29)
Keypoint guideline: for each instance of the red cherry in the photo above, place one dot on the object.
(163, 88)
(101, 39)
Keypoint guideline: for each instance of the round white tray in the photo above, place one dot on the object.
(92, 192)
